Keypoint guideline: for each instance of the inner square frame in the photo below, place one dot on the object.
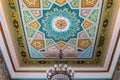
(82, 52)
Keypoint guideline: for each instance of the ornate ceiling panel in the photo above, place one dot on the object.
(71, 26)
(42, 31)
(51, 26)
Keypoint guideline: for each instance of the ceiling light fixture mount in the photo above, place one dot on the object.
(60, 72)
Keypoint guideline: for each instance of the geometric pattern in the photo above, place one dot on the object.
(85, 12)
(27, 16)
(73, 42)
(75, 3)
(89, 3)
(32, 3)
(84, 43)
(83, 35)
(52, 49)
(36, 13)
(30, 32)
(59, 26)
(60, 2)
(69, 48)
(91, 31)
(49, 42)
(84, 49)
(61, 45)
(39, 35)
(87, 24)
(38, 44)
(54, 25)
(94, 15)
(46, 4)
(34, 25)
(34, 53)
(87, 53)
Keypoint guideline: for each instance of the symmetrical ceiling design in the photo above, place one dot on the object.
(71, 26)
(40, 31)
(51, 26)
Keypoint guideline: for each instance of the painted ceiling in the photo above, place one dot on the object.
(44, 30)
(51, 26)
(72, 26)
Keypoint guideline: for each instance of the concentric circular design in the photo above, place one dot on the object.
(60, 24)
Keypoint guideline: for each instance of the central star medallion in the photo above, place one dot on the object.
(61, 23)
